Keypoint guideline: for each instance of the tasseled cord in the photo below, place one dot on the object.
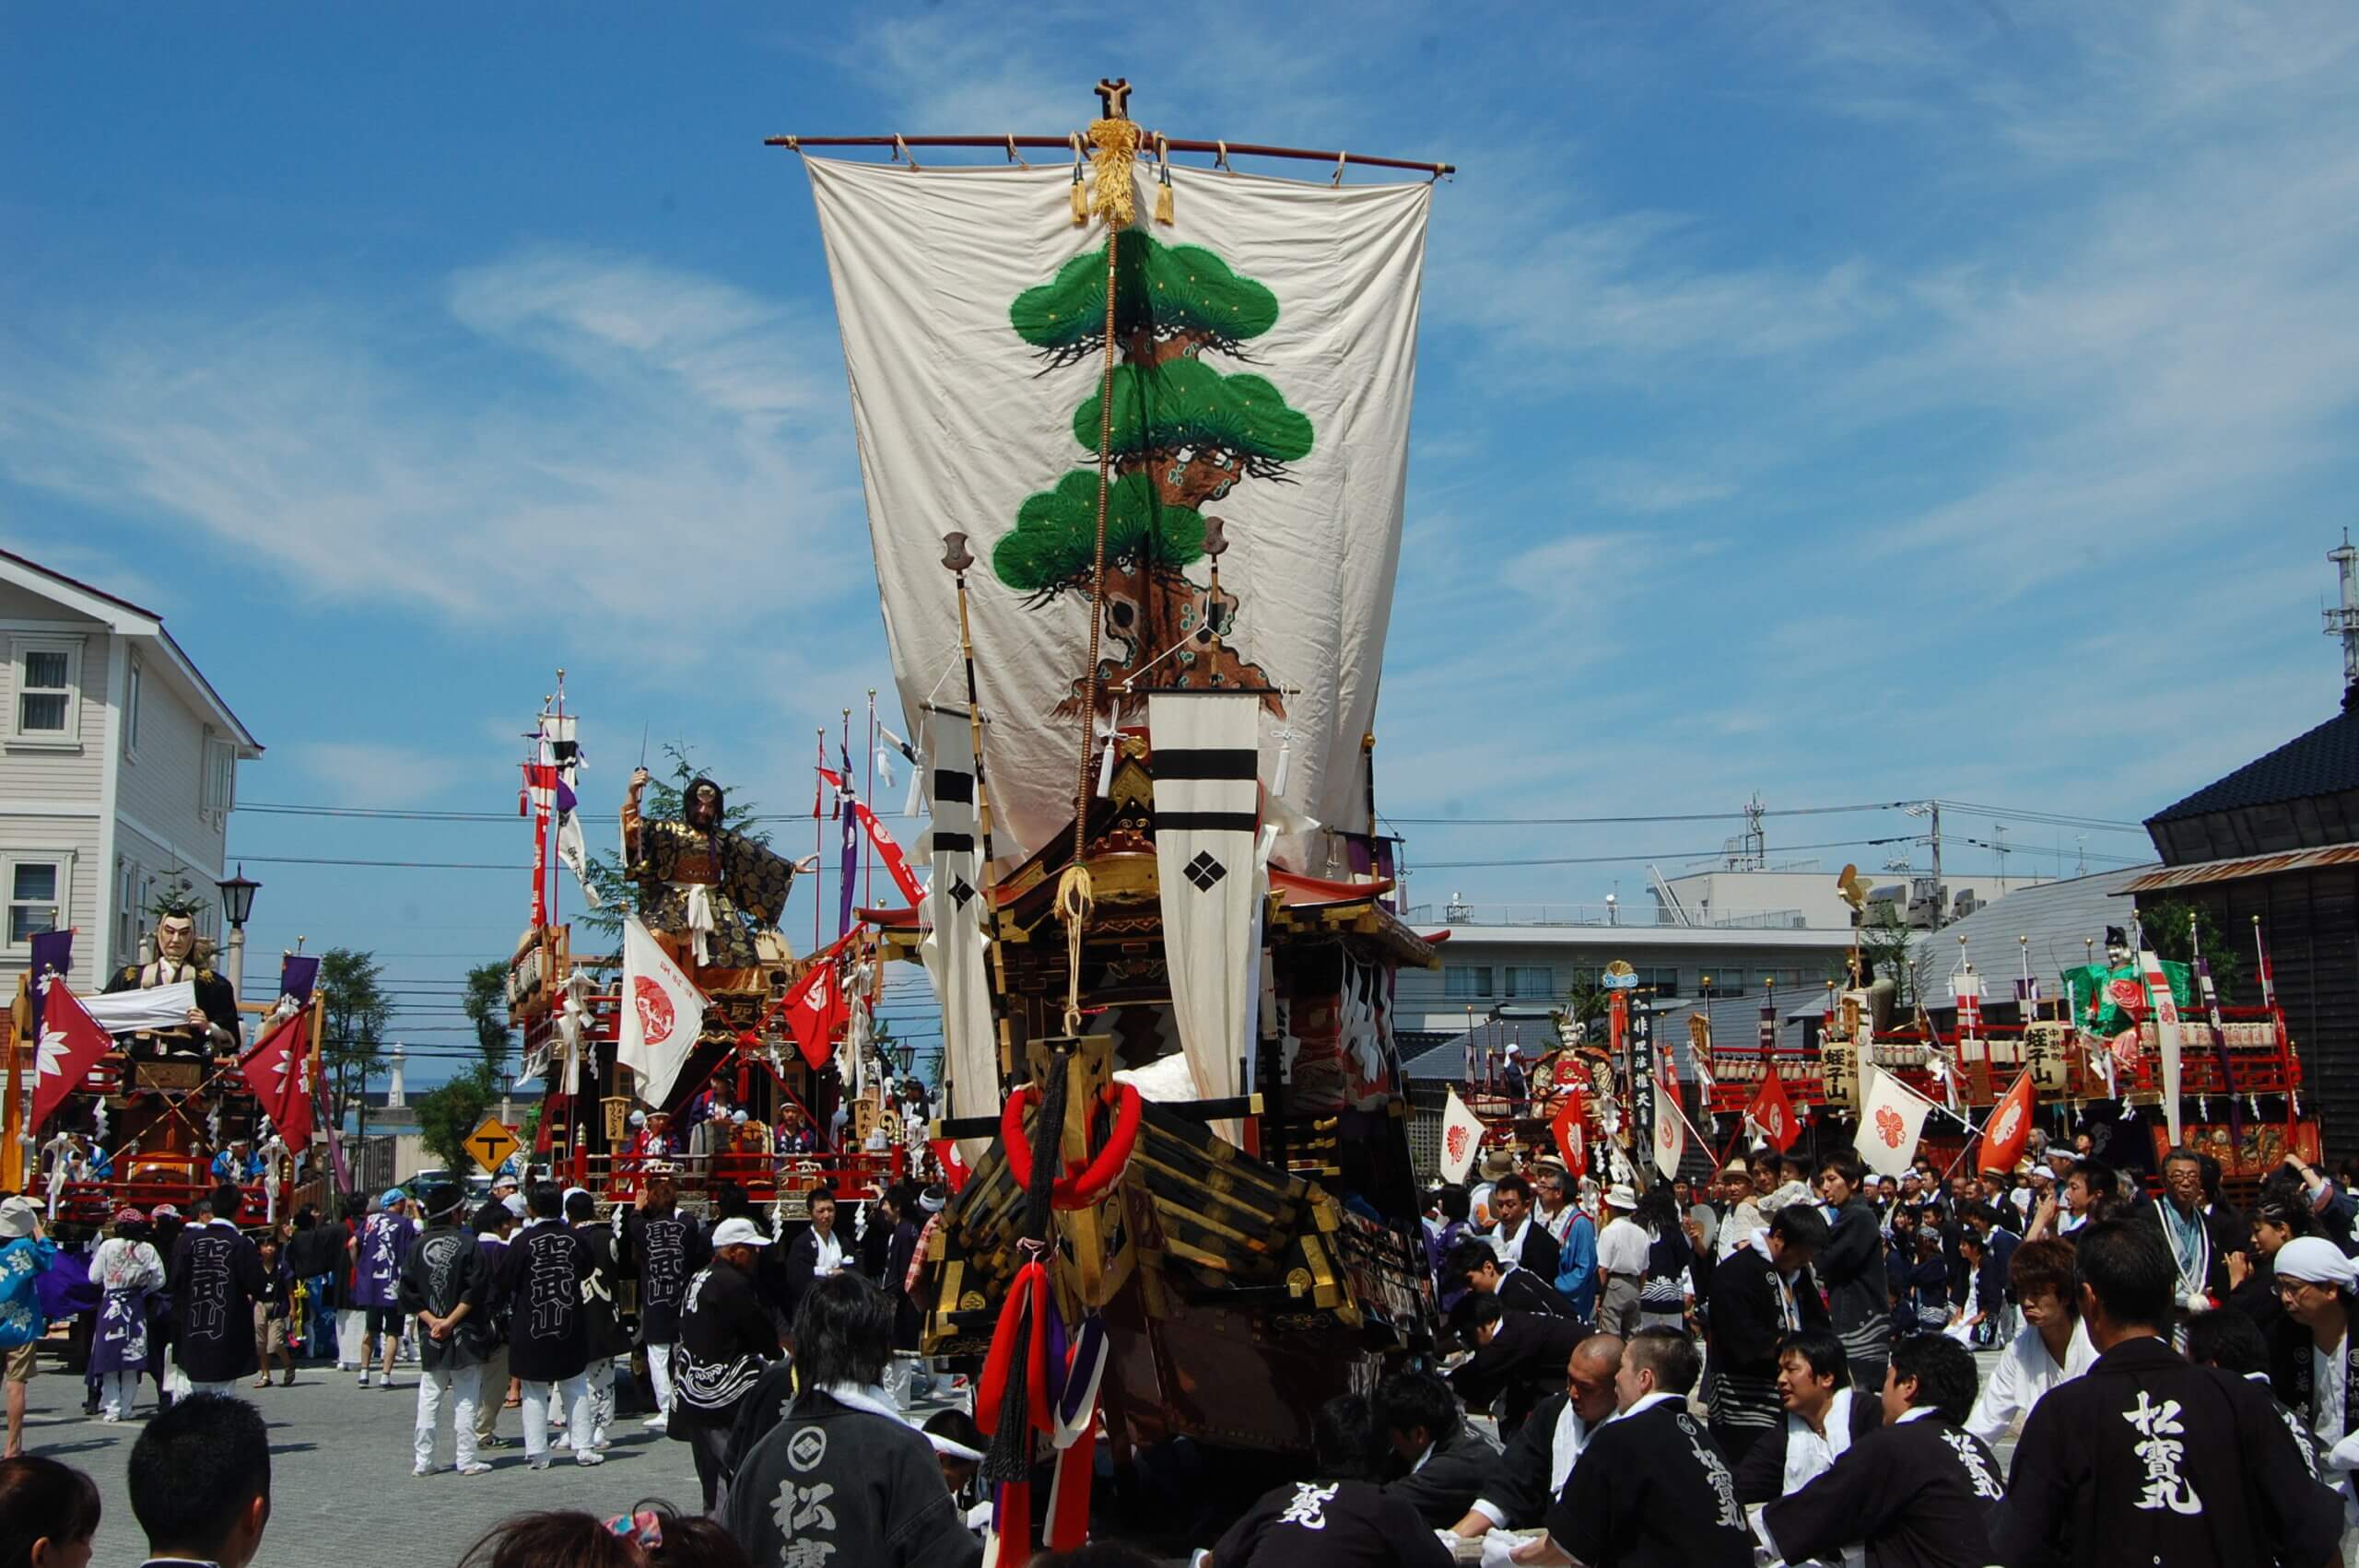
(1163, 186)
(1075, 901)
(1009, 1458)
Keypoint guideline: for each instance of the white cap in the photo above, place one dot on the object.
(514, 1203)
(738, 1233)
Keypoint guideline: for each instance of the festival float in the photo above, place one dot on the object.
(705, 1002)
(148, 1091)
(2126, 1035)
(1135, 437)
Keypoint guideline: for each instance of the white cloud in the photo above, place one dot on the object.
(358, 773)
(579, 435)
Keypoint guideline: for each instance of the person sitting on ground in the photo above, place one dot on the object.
(2142, 1426)
(1824, 1417)
(2052, 1347)
(1439, 1459)
(1527, 1476)
(1919, 1490)
(1519, 1358)
(200, 1481)
(1475, 1263)
(958, 1445)
(842, 1469)
(49, 1513)
(1339, 1519)
(1652, 1489)
(2229, 1341)
(650, 1536)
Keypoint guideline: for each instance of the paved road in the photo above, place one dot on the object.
(342, 1493)
(341, 1490)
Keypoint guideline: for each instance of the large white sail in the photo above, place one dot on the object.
(1266, 354)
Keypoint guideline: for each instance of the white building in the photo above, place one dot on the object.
(118, 768)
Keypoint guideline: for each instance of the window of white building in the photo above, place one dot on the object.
(38, 893)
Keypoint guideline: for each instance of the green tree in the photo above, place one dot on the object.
(1884, 951)
(2164, 923)
(485, 1002)
(446, 1115)
(1181, 435)
(352, 989)
(659, 803)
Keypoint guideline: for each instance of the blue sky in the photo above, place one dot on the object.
(1847, 403)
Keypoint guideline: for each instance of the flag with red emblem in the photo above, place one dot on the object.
(1461, 1139)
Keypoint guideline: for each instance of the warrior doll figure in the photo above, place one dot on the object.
(704, 889)
(211, 1025)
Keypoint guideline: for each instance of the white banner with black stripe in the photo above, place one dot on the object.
(956, 916)
(1207, 822)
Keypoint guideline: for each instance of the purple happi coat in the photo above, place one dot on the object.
(385, 1241)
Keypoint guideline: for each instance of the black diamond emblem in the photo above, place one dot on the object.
(1203, 870)
(960, 892)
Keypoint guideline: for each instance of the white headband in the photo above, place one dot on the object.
(2316, 1261)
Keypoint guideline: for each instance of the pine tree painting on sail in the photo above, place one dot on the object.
(1182, 435)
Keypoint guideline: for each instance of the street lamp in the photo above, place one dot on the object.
(237, 907)
(1612, 910)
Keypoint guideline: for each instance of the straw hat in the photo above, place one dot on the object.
(1496, 1163)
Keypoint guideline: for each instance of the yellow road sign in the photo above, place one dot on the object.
(491, 1142)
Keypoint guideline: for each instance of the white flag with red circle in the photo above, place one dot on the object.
(662, 1013)
(1461, 1139)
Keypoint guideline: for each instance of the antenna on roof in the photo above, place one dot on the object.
(2343, 621)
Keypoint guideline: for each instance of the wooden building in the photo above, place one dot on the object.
(2277, 841)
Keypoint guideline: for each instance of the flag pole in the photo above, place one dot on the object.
(819, 837)
(868, 793)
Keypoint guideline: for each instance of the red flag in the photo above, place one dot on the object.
(954, 1164)
(71, 1044)
(1570, 1124)
(815, 1009)
(275, 1073)
(889, 849)
(1773, 1113)
(2007, 1132)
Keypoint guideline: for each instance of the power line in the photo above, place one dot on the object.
(1622, 821)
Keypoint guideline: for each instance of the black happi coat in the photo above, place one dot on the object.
(1522, 1290)
(1517, 1483)
(1539, 1253)
(542, 1275)
(1851, 1268)
(1446, 1485)
(1747, 1320)
(1920, 1495)
(1525, 1362)
(1761, 1474)
(1335, 1524)
(216, 1277)
(2144, 1459)
(727, 1342)
(865, 1483)
(1652, 1491)
(762, 1407)
(444, 1268)
(663, 1252)
(2293, 1369)
(607, 1335)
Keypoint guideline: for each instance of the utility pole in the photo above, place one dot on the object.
(2002, 849)
(1939, 897)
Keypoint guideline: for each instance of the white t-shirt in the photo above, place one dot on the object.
(2327, 1373)
(1623, 1247)
(1809, 1455)
(2024, 1371)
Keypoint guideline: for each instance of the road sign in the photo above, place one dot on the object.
(491, 1142)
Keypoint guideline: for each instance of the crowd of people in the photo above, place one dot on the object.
(1778, 1368)
(1800, 1335)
